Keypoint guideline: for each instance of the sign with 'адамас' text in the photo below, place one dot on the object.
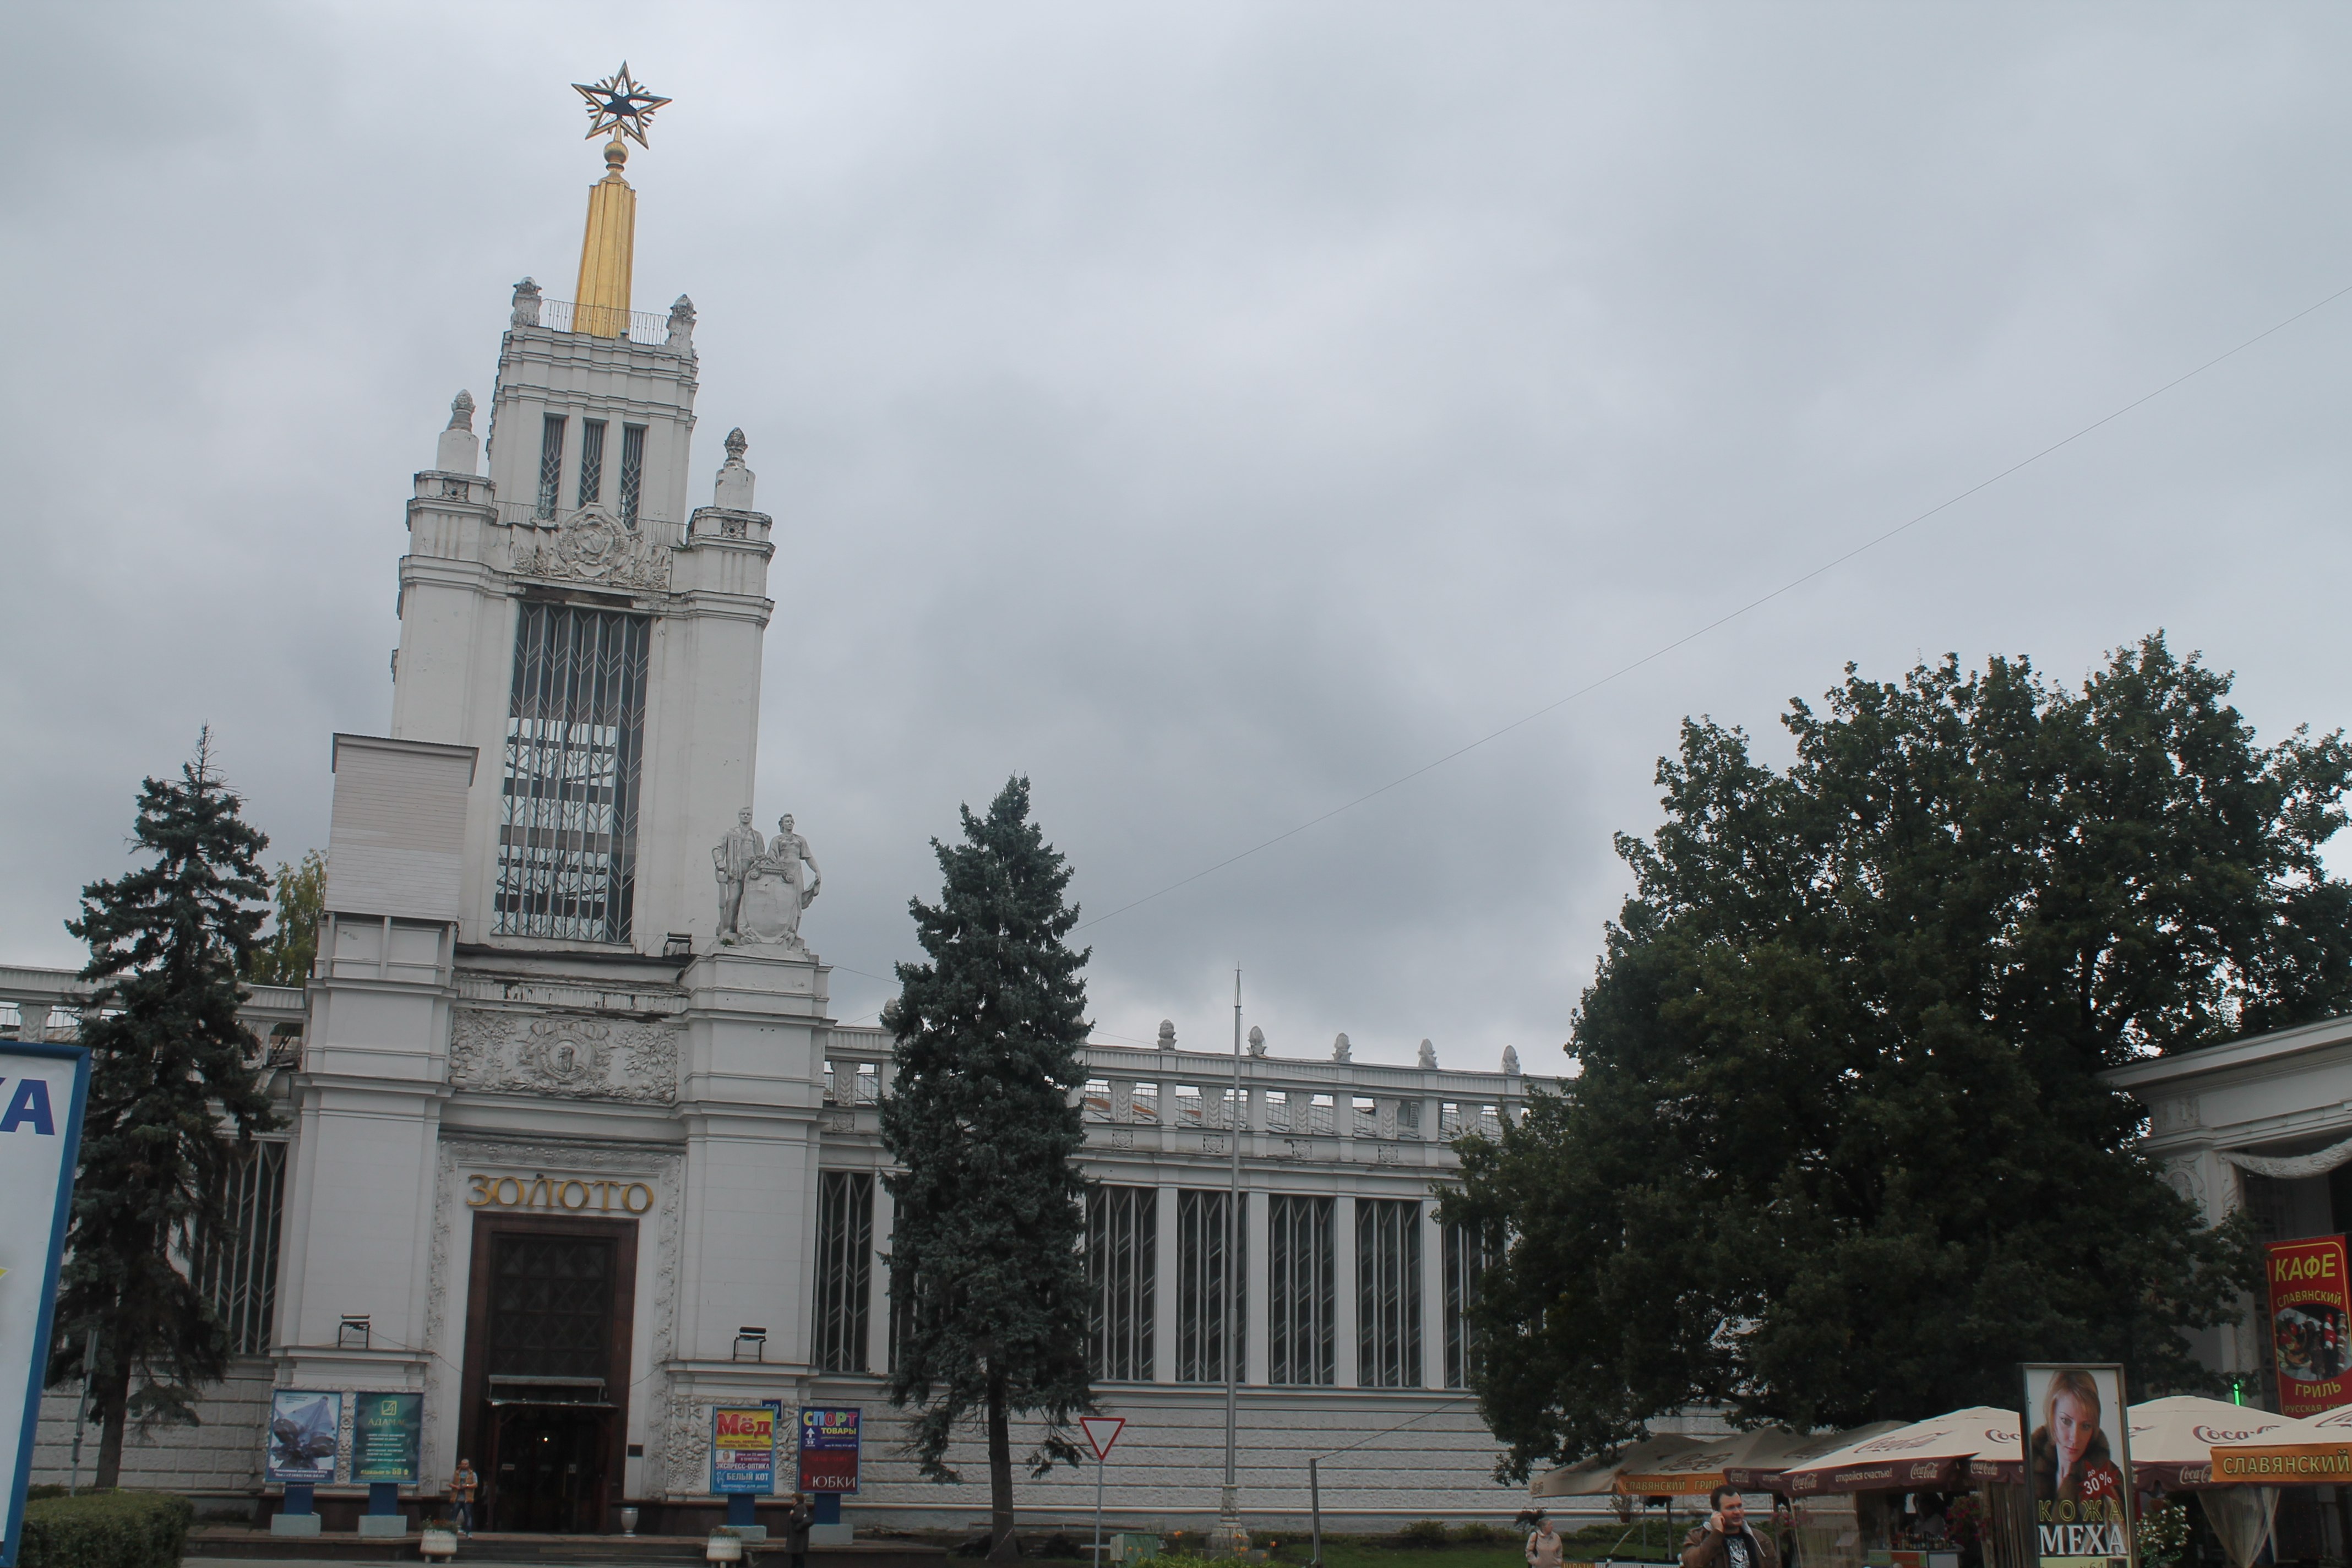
(42, 1091)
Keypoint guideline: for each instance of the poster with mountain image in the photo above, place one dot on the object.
(2078, 1465)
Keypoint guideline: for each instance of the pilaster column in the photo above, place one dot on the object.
(1343, 1290)
(1257, 1281)
(1432, 1298)
(878, 1327)
(1163, 1280)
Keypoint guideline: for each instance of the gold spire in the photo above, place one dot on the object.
(608, 248)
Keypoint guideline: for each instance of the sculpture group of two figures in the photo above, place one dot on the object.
(762, 886)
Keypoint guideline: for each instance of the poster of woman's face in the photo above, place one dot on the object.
(2077, 1466)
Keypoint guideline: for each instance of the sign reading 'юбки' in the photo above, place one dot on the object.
(829, 1448)
(42, 1091)
(563, 1194)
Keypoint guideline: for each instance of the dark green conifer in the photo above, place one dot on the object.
(174, 1096)
(985, 1264)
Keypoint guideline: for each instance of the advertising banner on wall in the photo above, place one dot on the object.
(743, 1446)
(2308, 1323)
(387, 1438)
(42, 1090)
(2078, 1465)
(829, 1448)
(305, 1428)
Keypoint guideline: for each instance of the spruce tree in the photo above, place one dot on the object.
(986, 1270)
(172, 1074)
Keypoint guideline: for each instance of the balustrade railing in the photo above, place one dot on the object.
(603, 321)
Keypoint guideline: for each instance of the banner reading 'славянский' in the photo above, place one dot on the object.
(42, 1090)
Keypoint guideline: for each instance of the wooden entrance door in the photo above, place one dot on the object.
(547, 1369)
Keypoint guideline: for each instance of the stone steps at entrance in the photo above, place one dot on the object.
(226, 1546)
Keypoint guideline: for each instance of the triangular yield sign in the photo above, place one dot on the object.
(1101, 1432)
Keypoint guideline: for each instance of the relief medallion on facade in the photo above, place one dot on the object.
(593, 548)
(577, 1058)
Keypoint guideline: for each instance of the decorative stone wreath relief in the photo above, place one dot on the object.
(567, 1052)
(592, 547)
(577, 1056)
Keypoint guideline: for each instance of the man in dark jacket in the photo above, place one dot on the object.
(1726, 1542)
(796, 1529)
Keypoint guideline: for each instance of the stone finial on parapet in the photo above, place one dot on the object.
(1166, 1034)
(1428, 1056)
(1510, 1061)
(681, 326)
(733, 491)
(1256, 1041)
(526, 304)
(1341, 1048)
(460, 451)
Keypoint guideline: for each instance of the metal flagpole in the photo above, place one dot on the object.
(81, 1411)
(1229, 1508)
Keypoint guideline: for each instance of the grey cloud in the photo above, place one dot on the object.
(1212, 412)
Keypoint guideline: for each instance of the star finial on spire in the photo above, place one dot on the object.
(619, 105)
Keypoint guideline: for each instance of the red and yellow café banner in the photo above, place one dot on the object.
(2311, 1323)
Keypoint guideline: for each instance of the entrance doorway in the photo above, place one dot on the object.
(547, 1464)
(547, 1349)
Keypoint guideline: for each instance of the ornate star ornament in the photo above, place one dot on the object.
(619, 105)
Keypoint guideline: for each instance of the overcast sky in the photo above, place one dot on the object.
(1213, 412)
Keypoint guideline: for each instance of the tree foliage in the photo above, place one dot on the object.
(299, 893)
(1838, 1149)
(171, 1077)
(990, 1207)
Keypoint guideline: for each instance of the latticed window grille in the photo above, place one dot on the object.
(1122, 1235)
(240, 1264)
(592, 461)
(845, 1268)
(1299, 1296)
(550, 1307)
(575, 750)
(1388, 1292)
(633, 472)
(550, 465)
(1470, 1251)
(1211, 1276)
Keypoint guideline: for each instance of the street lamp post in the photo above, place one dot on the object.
(1230, 1538)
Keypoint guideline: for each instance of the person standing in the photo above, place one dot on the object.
(796, 1529)
(1725, 1541)
(461, 1494)
(1543, 1540)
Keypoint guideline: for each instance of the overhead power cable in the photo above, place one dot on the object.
(1725, 619)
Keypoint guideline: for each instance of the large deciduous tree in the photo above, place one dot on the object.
(299, 893)
(1839, 1150)
(985, 1265)
(174, 1096)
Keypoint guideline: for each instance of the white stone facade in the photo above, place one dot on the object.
(460, 1080)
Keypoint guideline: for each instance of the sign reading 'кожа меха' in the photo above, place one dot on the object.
(42, 1091)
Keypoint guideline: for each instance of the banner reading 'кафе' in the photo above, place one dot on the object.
(2309, 1321)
